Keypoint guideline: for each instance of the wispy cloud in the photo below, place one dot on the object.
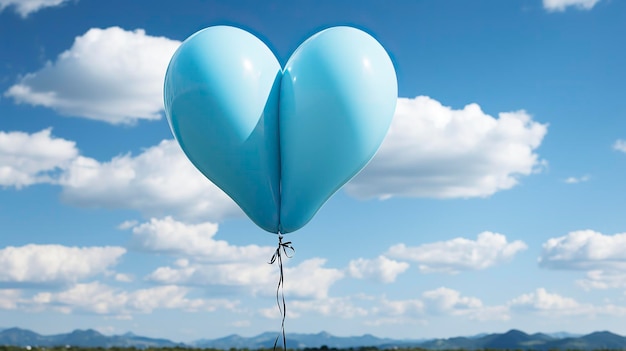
(26, 7)
(97, 298)
(562, 5)
(620, 145)
(576, 180)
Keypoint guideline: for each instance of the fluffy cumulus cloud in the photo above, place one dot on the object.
(542, 300)
(450, 302)
(437, 302)
(435, 151)
(309, 279)
(102, 299)
(460, 254)
(111, 75)
(160, 181)
(255, 277)
(554, 305)
(27, 159)
(169, 236)
(603, 257)
(380, 269)
(26, 7)
(205, 262)
(551, 303)
(562, 5)
(55, 264)
(585, 250)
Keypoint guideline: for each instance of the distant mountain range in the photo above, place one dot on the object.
(513, 339)
(84, 338)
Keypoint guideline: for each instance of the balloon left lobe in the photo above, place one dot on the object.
(221, 100)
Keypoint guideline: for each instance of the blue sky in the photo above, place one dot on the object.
(495, 201)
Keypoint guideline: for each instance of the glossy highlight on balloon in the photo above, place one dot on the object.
(280, 143)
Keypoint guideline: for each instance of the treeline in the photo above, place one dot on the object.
(182, 348)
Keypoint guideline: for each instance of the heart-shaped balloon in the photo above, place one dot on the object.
(280, 143)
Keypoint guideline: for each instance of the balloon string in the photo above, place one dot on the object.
(280, 290)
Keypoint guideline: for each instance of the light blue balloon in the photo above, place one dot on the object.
(221, 100)
(338, 97)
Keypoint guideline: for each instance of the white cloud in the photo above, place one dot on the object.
(445, 300)
(309, 279)
(160, 181)
(620, 145)
(124, 278)
(380, 269)
(553, 304)
(177, 238)
(27, 159)
(336, 307)
(110, 75)
(585, 250)
(101, 299)
(576, 180)
(603, 257)
(562, 5)
(460, 254)
(255, 276)
(396, 312)
(55, 264)
(381, 310)
(434, 151)
(603, 279)
(437, 302)
(395, 308)
(9, 298)
(157, 182)
(26, 7)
